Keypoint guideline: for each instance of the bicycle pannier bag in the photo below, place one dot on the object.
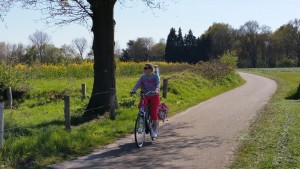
(163, 111)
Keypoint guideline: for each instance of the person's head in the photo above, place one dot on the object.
(149, 68)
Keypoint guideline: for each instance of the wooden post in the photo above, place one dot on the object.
(165, 88)
(10, 98)
(113, 102)
(67, 112)
(298, 92)
(1, 124)
(83, 90)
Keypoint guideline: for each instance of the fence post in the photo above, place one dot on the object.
(1, 124)
(165, 88)
(113, 104)
(67, 112)
(298, 92)
(10, 98)
(83, 91)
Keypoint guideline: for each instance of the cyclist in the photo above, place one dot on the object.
(150, 82)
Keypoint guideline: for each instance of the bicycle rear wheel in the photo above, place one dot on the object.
(139, 131)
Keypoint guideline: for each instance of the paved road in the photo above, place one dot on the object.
(203, 136)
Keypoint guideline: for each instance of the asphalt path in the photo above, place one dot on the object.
(204, 136)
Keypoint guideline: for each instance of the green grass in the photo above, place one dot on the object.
(273, 140)
(36, 136)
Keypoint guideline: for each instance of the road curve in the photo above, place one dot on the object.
(203, 136)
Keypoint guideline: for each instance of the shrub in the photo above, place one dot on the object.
(230, 59)
(213, 69)
(14, 78)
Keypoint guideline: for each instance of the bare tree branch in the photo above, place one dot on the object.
(80, 45)
(56, 12)
(153, 4)
(4, 8)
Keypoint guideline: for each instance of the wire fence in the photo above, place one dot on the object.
(10, 108)
(67, 111)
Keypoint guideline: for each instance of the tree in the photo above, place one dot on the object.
(190, 47)
(52, 55)
(103, 47)
(283, 38)
(170, 51)
(68, 52)
(139, 49)
(90, 55)
(40, 40)
(117, 50)
(179, 48)
(143, 49)
(249, 41)
(296, 25)
(30, 55)
(204, 47)
(158, 50)
(2, 51)
(4, 8)
(102, 25)
(126, 56)
(222, 37)
(80, 45)
(14, 52)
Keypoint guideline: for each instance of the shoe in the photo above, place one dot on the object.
(140, 130)
(154, 134)
(147, 130)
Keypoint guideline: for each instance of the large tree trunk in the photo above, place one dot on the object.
(298, 61)
(298, 56)
(104, 61)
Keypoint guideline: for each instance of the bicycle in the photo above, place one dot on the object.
(143, 123)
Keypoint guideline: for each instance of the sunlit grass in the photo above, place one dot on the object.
(273, 140)
(36, 136)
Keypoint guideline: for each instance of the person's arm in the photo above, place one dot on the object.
(157, 84)
(138, 84)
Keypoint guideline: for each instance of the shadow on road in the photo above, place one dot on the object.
(160, 153)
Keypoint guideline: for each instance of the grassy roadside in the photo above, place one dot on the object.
(36, 136)
(273, 139)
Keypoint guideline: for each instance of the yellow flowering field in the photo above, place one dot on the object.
(85, 69)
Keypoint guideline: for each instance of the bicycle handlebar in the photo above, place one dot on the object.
(145, 94)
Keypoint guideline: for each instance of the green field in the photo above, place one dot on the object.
(273, 140)
(35, 135)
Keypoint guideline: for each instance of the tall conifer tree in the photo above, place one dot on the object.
(170, 52)
(190, 42)
(179, 55)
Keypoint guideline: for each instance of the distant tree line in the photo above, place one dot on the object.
(255, 45)
(41, 51)
(144, 49)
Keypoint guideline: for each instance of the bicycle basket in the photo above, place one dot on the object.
(163, 111)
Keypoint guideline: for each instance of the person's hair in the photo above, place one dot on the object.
(150, 65)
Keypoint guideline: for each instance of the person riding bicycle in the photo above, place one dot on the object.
(150, 82)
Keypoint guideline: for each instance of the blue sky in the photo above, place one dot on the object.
(136, 20)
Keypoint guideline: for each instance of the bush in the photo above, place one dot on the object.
(213, 69)
(230, 59)
(218, 68)
(14, 78)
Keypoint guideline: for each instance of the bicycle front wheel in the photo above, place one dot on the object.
(139, 131)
